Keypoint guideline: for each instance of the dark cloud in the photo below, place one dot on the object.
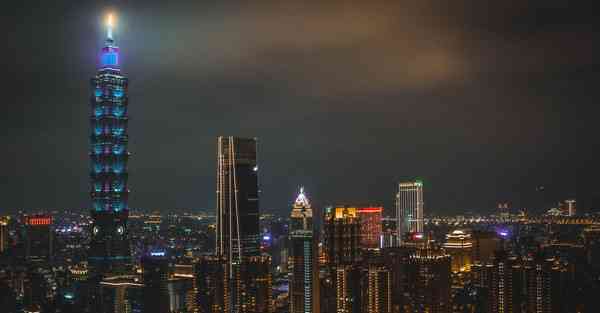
(483, 99)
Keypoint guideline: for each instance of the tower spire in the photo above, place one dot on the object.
(110, 23)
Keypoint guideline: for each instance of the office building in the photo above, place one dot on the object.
(109, 250)
(379, 290)
(505, 289)
(370, 227)
(254, 285)
(342, 235)
(304, 282)
(348, 281)
(237, 233)
(156, 271)
(38, 237)
(459, 245)
(409, 208)
(210, 285)
(430, 282)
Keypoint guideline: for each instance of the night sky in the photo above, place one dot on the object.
(483, 100)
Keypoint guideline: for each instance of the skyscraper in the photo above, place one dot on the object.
(459, 245)
(379, 290)
(155, 276)
(409, 208)
(237, 232)
(109, 247)
(39, 237)
(210, 284)
(342, 235)
(370, 227)
(304, 293)
(431, 285)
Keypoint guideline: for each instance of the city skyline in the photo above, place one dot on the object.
(502, 163)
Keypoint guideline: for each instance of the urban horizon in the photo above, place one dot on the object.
(392, 157)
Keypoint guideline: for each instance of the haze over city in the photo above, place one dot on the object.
(483, 101)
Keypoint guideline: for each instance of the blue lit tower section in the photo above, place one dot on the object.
(109, 247)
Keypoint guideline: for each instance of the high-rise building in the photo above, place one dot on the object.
(370, 227)
(379, 290)
(430, 286)
(237, 233)
(342, 235)
(39, 237)
(210, 284)
(109, 247)
(237, 230)
(409, 208)
(304, 283)
(505, 284)
(156, 271)
(348, 289)
(3, 234)
(459, 245)
(254, 285)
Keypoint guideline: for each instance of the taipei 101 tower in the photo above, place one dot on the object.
(109, 251)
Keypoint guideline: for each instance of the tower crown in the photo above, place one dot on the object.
(302, 200)
(109, 57)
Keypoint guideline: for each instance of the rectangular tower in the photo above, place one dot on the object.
(238, 233)
(39, 237)
(409, 208)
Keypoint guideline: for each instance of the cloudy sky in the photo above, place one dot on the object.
(483, 100)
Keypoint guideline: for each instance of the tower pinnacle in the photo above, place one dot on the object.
(110, 23)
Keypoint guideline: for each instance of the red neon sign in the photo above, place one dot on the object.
(371, 210)
(37, 220)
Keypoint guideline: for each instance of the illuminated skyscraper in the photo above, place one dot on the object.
(237, 233)
(39, 237)
(370, 227)
(505, 284)
(379, 290)
(304, 293)
(409, 208)
(459, 245)
(342, 236)
(348, 289)
(109, 247)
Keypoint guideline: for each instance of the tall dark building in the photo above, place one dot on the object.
(304, 291)
(342, 236)
(237, 233)
(38, 237)
(109, 247)
(505, 288)
(156, 270)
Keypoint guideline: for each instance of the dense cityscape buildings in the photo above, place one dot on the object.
(236, 258)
